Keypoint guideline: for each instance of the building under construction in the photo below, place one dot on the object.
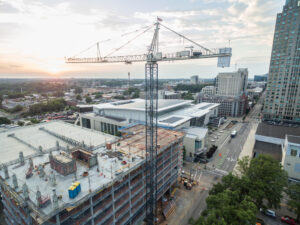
(58, 173)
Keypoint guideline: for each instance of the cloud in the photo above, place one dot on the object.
(39, 35)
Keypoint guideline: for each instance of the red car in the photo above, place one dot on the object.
(288, 220)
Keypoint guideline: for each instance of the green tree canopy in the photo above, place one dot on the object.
(78, 97)
(4, 120)
(293, 192)
(78, 90)
(88, 99)
(236, 199)
(50, 106)
(227, 208)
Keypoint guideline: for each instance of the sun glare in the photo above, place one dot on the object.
(53, 68)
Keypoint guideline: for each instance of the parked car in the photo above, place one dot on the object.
(259, 222)
(288, 220)
(268, 212)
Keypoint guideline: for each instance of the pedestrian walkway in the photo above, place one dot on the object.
(248, 146)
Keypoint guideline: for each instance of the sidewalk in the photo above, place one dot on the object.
(248, 146)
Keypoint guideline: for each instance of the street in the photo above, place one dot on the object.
(191, 203)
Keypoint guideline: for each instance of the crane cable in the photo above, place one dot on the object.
(206, 49)
(103, 41)
(128, 42)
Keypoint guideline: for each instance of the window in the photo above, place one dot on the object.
(293, 152)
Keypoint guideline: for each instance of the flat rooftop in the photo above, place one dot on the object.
(28, 139)
(110, 165)
(136, 143)
(110, 168)
(277, 131)
(294, 139)
(139, 104)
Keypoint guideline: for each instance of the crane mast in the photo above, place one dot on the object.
(151, 104)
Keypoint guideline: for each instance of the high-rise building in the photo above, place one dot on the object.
(194, 79)
(232, 84)
(282, 102)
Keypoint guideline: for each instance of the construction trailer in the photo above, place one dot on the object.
(111, 192)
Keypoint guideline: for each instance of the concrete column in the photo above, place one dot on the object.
(15, 181)
(113, 200)
(92, 210)
(30, 162)
(55, 200)
(21, 157)
(6, 175)
(57, 219)
(25, 191)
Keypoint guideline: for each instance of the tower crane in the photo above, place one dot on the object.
(152, 57)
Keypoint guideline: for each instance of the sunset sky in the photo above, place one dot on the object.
(35, 36)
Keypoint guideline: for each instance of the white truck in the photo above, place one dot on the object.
(233, 133)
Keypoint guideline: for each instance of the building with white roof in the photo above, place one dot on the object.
(172, 114)
(194, 141)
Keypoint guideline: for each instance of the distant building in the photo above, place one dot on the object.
(282, 101)
(255, 92)
(260, 78)
(229, 106)
(209, 90)
(162, 94)
(194, 79)
(232, 84)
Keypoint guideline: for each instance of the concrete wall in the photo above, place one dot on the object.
(271, 140)
(292, 163)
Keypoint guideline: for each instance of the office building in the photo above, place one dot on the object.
(194, 79)
(162, 94)
(282, 102)
(172, 114)
(261, 78)
(64, 174)
(228, 105)
(209, 90)
(232, 84)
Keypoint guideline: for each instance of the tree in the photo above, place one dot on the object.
(261, 180)
(78, 90)
(20, 123)
(98, 95)
(187, 96)
(293, 192)
(58, 94)
(78, 97)
(267, 180)
(17, 108)
(4, 120)
(88, 99)
(227, 208)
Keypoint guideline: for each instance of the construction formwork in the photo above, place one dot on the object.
(121, 201)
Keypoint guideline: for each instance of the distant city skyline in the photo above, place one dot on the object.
(36, 36)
